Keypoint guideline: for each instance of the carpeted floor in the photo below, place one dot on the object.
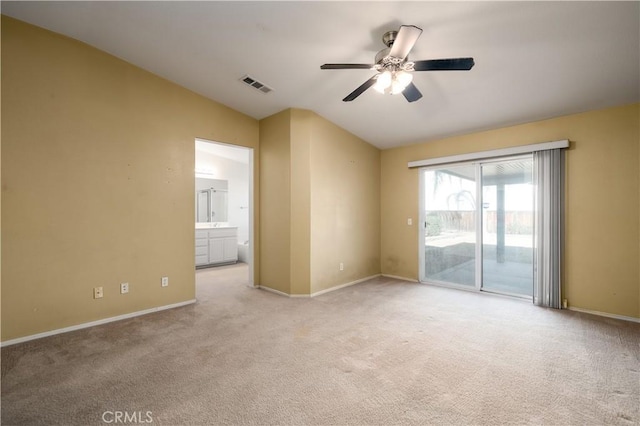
(383, 352)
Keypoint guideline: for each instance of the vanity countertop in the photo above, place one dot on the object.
(204, 225)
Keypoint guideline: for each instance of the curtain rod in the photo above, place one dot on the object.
(515, 150)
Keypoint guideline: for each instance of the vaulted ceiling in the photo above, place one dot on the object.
(534, 60)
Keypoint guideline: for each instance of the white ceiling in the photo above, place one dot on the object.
(534, 60)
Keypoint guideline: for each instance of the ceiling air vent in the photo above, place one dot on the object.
(256, 84)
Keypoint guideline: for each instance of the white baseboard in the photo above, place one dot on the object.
(318, 293)
(605, 314)
(94, 323)
(273, 290)
(400, 278)
(338, 287)
(299, 296)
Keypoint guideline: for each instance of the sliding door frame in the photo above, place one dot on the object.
(479, 229)
(527, 156)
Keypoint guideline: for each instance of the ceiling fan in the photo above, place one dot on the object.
(394, 68)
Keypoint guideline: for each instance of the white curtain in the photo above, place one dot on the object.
(548, 176)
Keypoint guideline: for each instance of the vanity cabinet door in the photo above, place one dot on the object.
(216, 250)
(230, 249)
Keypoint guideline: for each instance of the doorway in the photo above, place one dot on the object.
(224, 205)
(477, 228)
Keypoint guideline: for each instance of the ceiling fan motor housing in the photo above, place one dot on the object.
(381, 55)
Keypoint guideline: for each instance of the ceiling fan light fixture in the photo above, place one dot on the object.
(396, 87)
(392, 82)
(401, 80)
(395, 70)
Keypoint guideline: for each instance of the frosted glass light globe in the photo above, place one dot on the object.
(383, 82)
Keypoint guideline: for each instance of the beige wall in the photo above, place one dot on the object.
(602, 253)
(345, 207)
(301, 190)
(275, 201)
(97, 181)
(320, 204)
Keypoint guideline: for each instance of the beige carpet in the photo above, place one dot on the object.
(383, 352)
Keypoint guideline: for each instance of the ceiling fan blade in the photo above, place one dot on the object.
(456, 64)
(411, 93)
(406, 38)
(364, 86)
(346, 67)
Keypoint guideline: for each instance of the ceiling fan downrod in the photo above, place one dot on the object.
(389, 37)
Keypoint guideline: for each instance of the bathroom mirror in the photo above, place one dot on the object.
(211, 200)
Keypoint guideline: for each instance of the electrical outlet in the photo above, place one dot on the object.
(124, 288)
(341, 266)
(97, 293)
(409, 221)
(565, 304)
(165, 281)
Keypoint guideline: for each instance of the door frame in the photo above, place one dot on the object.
(251, 189)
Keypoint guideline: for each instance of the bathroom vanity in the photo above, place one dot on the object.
(215, 245)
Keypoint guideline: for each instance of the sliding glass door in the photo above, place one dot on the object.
(450, 225)
(507, 227)
(478, 226)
